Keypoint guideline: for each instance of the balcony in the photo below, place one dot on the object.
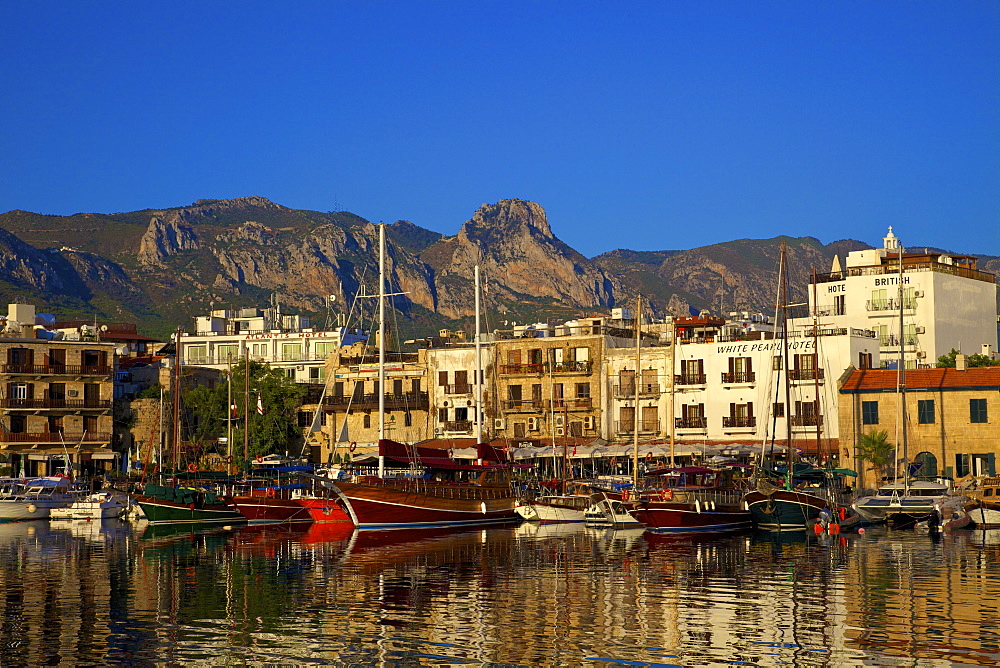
(691, 423)
(55, 370)
(739, 377)
(458, 426)
(523, 405)
(807, 420)
(806, 374)
(521, 369)
(738, 422)
(891, 304)
(572, 367)
(578, 404)
(893, 340)
(69, 438)
(68, 404)
(645, 390)
(458, 388)
(645, 426)
(689, 379)
(414, 401)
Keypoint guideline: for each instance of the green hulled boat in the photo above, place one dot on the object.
(188, 505)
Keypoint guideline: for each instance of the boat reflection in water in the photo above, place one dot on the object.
(558, 595)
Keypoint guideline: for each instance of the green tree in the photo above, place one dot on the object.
(875, 448)
(947, 361)
(276, 431)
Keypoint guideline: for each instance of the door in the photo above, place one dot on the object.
(91, 395)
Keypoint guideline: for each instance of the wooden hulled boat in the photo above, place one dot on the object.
(188, 505)
(424, 487)
(984, 508)
(691, 498)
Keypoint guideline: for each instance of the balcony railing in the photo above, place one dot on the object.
(691, 423)
(893, 340)
(739, 377)
(56, 369)
(806, 374)
(628, 390)
(689, 379)
(737, 422)
(891, 304)
(524, 405)
(458, 388)
(807, 420)
(908, 267)
(458, 425)
(56, 403)
(55, 437)
(645, 426)
(511, 369)
(406, 400)
(580, 403)
(572, 367)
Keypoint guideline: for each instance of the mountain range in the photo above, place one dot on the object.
(161, 267)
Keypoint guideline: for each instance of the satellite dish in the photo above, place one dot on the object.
(104, 328)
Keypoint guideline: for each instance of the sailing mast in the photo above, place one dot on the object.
(177, 401)
(381, 346)
(902, 376)
(479, 367)
(783, 285)
(635, 381)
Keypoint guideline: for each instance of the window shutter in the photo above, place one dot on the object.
(31, 391)
(750, 410)
(442, 378)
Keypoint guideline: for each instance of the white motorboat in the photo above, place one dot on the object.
(609, 511)
(554, 508)
(905, 503)
(87, 506)
(24, 499)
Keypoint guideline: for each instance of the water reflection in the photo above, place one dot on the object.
(557, 594)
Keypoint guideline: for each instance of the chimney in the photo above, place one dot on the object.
(960, 362)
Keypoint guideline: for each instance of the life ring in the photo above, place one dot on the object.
(192, 468)
(259, 459)
(667, 495)
(649, 456)
(353, 446)
(229, 459)
(269, 493)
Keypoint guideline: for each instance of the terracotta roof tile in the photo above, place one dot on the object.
(884, 380)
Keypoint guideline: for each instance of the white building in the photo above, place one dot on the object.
(946, 302)
(286, 342)
(454, 391)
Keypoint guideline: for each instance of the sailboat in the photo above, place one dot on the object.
(425, 487)
(789, 500)
(905, 503)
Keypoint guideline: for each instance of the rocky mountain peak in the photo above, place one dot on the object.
(509, 216)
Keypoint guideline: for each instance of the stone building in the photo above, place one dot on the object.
(952, 418)
(55, 398)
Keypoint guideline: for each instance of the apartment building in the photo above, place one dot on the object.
(549, 381)
(350, 407)
(455, 391)
(952, 418)
(946, 302)
(56, 396)
(291, 343)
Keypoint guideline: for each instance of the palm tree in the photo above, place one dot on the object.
(875, 448)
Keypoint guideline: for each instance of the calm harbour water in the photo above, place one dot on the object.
(112, 593)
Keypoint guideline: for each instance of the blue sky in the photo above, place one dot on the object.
(642, 125)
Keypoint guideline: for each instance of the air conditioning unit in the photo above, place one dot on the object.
(446, 403)
(560, 431)
(499, 423)
(438, 430)
(589, 422)
(559, 420)
(920, 329)
(300, 367)
(71, 393)
(918, 293)
(921, 354)
(532, 424)
(468, 403)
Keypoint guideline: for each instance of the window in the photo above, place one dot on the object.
(839, 304)
(461, 414)
(779, 408)
(227, 353)
(925, 411)
(977, 411)
(317, 373)
(195, 355)
(366, 421)
(961, 465)
(864, 360)
(323, 349)
(291, 352)
(776, 363)
(583, 391)
(18, 390)
(869, 412)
